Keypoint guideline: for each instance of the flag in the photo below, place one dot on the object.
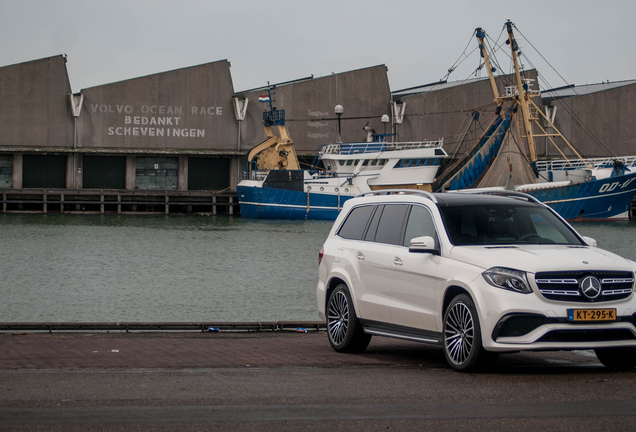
(263, 98)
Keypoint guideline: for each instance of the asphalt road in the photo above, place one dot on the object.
(294, 381)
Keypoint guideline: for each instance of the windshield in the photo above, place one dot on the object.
(516, 223)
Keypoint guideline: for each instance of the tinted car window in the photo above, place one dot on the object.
(353, 228)
(391, 224)
(546, 230)
(420, 224)
(373, 226)
(508, 224)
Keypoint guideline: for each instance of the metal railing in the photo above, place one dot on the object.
(419, 192)
(374, 147)
(572, 164)
(274, 117)
(250, 171)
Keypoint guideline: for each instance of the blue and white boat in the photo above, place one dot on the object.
(599, 189)
(274, 186)
(349, 170)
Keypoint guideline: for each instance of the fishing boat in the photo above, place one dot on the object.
(273, 185)
(505, 157)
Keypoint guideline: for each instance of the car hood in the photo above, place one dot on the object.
(537, 258)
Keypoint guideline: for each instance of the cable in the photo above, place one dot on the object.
(576, 93)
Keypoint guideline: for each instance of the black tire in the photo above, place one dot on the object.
(617, 358)
(463, 348)
(343, 327)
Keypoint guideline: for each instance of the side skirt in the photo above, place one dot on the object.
(401, 332)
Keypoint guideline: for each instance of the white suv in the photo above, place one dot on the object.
(479, 274)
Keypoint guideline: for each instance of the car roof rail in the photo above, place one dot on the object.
(419, 192)
(513, 194)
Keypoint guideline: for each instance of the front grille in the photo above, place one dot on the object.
(565, 286)
(587, 335)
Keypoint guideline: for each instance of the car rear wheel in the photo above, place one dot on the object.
(462, 337)
(617, 358)
(343, 327)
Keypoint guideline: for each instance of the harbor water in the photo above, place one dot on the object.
(70, 268)
(61, 268)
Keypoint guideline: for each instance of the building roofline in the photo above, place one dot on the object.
(311, 77)
(158, 73)
(36, 60)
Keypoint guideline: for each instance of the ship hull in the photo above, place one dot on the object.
(607, 199)
(597, 200)
(272, 203)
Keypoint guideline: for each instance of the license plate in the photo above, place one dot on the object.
(591, 314)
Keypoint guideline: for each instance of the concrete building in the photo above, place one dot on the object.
(597, 118)
(154, 126)
(309, 107)
(35, 120)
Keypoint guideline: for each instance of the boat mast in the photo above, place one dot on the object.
(484, 53)
(523, 96)
(522, 99)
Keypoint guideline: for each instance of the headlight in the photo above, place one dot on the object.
(509, 279)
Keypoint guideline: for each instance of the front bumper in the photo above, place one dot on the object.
(542, 324)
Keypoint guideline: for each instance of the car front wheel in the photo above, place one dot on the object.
(343, 327)
(462, 336)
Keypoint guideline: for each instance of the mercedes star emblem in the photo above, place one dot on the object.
(590, 287)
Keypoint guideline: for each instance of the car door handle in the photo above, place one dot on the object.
(397, 261)
(360, 256)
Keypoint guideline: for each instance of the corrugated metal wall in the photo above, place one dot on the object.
(208, 173)
(104, 172)
(6, 171)
(157, 173)
(44, 171)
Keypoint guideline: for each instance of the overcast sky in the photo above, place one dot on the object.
(113, 40)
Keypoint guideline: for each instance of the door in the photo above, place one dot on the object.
(374, 260)
(414, 284)
(208, 173)
(104, 172)
(44, 171)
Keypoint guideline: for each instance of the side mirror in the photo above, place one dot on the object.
(589, 240)
(424, 244)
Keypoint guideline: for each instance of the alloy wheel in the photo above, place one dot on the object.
(459, 333)
(338, 317)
